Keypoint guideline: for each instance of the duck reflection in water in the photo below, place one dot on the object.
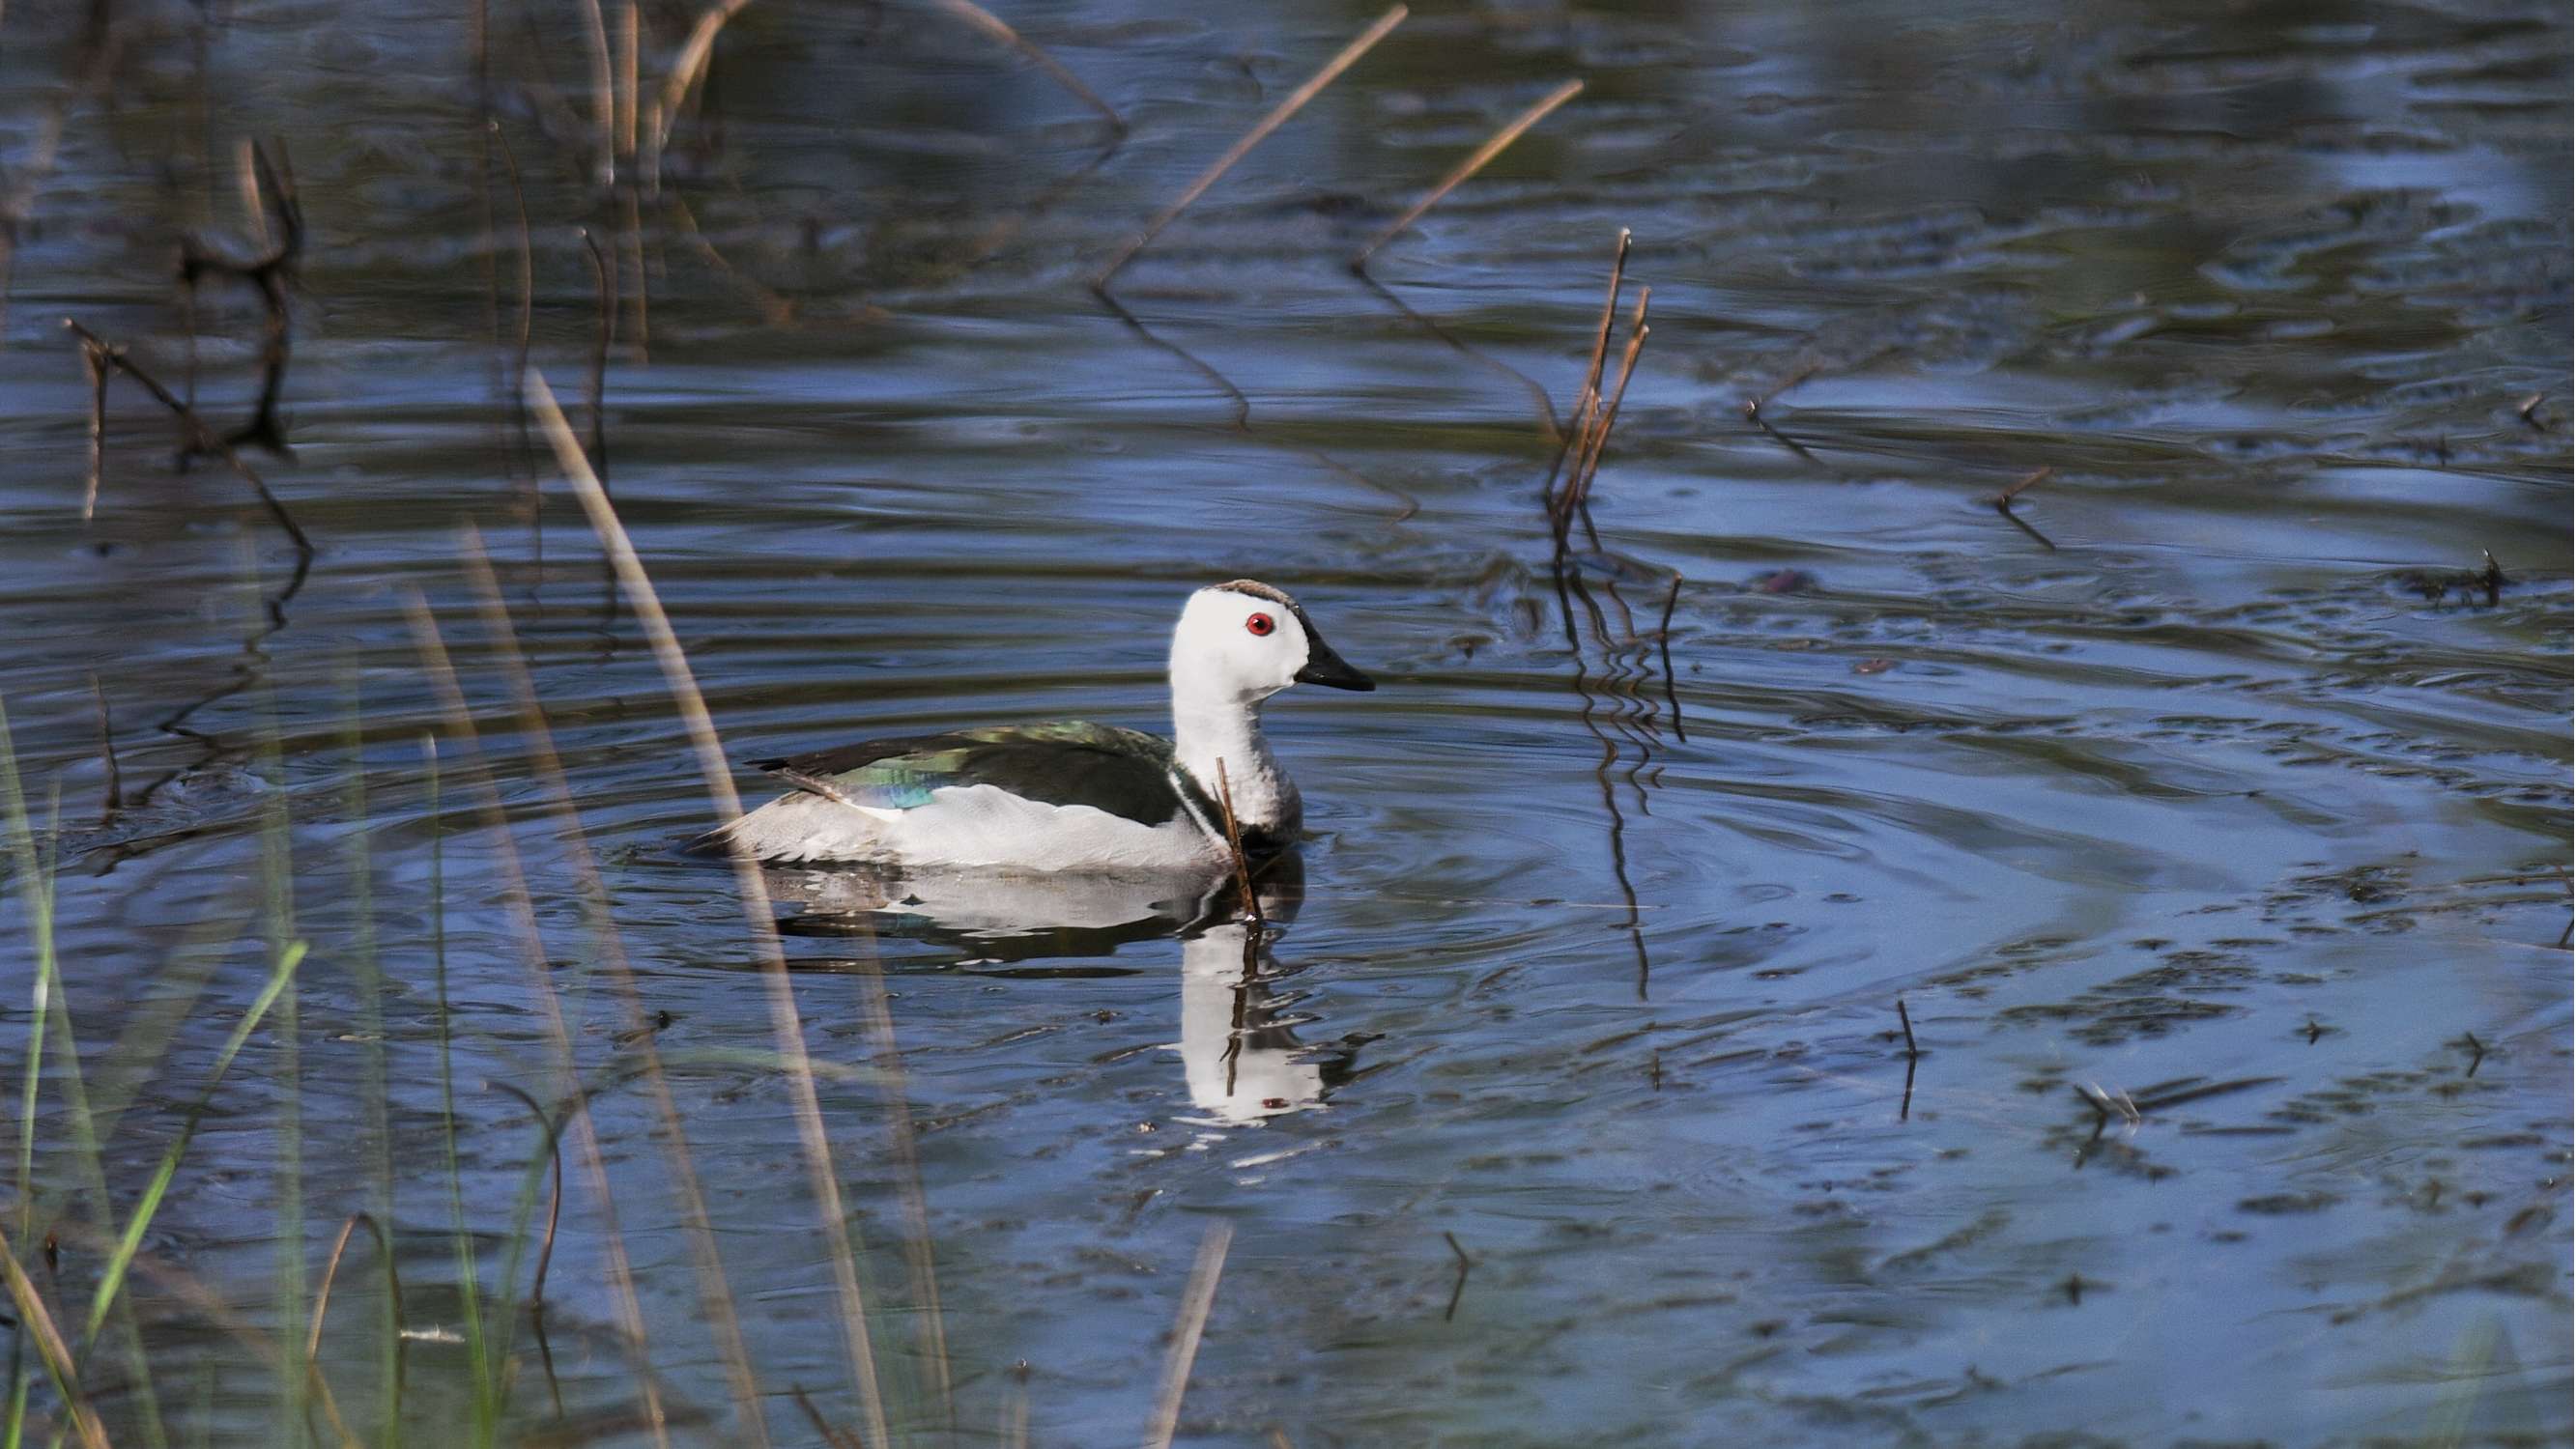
(1240, 1054)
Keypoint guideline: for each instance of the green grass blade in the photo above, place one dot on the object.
(113, 1279)
(486, 1417)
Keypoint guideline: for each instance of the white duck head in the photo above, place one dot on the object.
(1243, 642)
(1238, 644)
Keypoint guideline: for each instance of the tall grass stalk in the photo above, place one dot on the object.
(277, 882)
(785, 1023)
(495, 819)
(374, 1078)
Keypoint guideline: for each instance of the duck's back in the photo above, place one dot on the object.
(1064, 796)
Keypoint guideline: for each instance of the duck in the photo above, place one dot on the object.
(1072, 795)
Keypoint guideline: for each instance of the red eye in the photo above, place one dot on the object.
(1260, 625)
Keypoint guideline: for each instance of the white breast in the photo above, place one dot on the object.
(971, 825)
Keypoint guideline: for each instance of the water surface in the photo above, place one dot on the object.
(2222, 790)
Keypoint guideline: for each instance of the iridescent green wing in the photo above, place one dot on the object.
(1120, 771)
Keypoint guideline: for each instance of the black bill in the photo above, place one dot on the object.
(1325, 667)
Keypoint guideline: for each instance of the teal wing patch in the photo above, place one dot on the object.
(1123, 772)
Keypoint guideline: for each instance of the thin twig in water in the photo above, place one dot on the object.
(1196, 1300)
(205, 438)
(1457, 1289)
(1664, 644)
(1905, 1019)
(991, 24)
(1234, 843)
(1753, 406)
(606, 278)
(2021, 485)
(1294, 102)
(1548, 427)
(322, 1308)
(757, 912)
(115, 794)
(2003, 503)
(1476, 161)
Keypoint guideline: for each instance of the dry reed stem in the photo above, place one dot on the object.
(992, 25)
(715, 1295)
(629, 24)
(1587, 398)
(1279, 114)
(757, 912)
(35, 1319)
(1196, 1300)
(531, 940)
(603, 94)
(1587, 461)
(1476, 161)
(688, 71)
(96, 367)
(200, 435)
(2004, 499)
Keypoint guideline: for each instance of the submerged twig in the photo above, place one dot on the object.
(1294, 102)
(554, 1155)
(2003, 503)
(115, 791)
(1664, 644)
(992, 25)
(264, 184)
(205, 438)
(1196, 1300)
(1458, 1289)
(1476, 161)
(322, 1309)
